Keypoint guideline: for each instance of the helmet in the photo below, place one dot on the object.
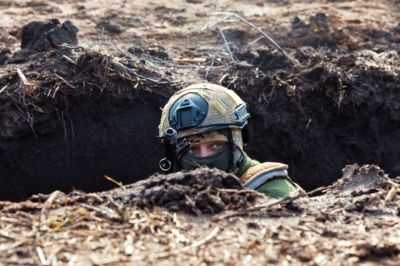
(201, 108)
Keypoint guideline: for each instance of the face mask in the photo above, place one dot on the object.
(219, 160)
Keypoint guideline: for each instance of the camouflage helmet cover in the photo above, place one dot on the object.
(216, 108)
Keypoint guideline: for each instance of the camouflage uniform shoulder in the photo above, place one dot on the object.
(269, 178)
(257, 175)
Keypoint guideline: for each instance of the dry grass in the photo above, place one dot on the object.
(336, 227)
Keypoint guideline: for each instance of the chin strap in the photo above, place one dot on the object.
(181, 148)
(232, 148)
(237, 157)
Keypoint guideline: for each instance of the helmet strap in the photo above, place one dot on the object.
(233, 148)
(181, 147)
(237, 156)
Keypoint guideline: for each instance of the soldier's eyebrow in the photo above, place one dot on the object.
(223, 132)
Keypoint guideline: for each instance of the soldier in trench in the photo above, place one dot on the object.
(207, 125)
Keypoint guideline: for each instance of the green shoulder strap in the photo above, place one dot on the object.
(277, 188)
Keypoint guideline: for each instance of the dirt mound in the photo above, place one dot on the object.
(332, 225)
(199, 191)
(351, 215)
(359, 180)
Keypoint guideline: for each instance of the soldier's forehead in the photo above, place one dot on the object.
(208, 136)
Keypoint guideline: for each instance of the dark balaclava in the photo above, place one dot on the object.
(229, 158)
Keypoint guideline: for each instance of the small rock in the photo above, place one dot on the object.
(109, 26)
(44, 35)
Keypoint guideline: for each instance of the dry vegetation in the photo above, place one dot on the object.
(355, 220)
(329, 98)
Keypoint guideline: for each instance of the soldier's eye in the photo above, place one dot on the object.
(193, 150)
(217, 145)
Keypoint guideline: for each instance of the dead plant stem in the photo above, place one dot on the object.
(228, 49)
(232, 17)
(257, 208)
(4, 88)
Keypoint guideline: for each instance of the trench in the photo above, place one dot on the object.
(117, 138)
(331, 110)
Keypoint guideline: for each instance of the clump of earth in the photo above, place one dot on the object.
(207, 191)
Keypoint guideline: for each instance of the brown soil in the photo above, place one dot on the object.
(92, 110)
(80, 98)
(353, 221)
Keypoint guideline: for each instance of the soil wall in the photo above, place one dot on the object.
(76, 149)
(69, 115)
